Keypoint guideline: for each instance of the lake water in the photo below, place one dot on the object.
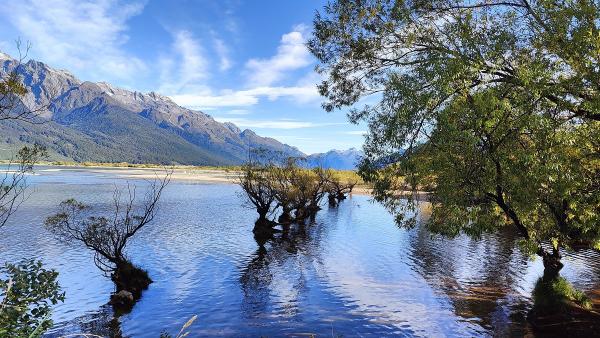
(352, 273)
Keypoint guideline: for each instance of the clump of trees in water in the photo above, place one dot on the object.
(107, 236)
(492, 105)
(287, 193)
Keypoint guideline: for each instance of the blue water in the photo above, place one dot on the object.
(352, 273)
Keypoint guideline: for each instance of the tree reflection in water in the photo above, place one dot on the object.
(101, 323)
(276, 275)
(484, 280)
(477, 276)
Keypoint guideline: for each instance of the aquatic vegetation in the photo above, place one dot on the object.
(292, 192)
(107, 236)
(552, 295)
(183, 332)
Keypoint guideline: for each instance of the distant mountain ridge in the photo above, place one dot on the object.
(336, 159)
(87, 121)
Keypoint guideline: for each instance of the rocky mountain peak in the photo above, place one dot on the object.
(5, 57)
(109, 115)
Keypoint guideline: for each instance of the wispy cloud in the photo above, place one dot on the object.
(192, 92)
(223, 53)
(242, 98)
(186, 68)
(81, 35)
(238, 112)
(291, 54)
(274, 124)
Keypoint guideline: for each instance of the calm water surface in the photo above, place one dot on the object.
(352, 273)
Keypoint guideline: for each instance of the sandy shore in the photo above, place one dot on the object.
(185, 174)
(178, 174)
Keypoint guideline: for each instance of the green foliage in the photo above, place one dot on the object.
(27, 294)
(553, 295)
(290, 188)
(491, 106)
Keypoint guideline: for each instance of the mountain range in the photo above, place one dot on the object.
(87, 121)
(335, 159)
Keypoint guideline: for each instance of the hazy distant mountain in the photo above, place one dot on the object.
(335, 159)
(89, 121)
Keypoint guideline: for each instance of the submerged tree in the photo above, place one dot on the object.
(254, 182)
(491, 105)
(319, 190)
(107, 236)
(338, 190)
(288, 189)
(281, 179)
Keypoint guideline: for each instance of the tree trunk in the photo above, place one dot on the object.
(130, 278)
(263, 230)
(285, 217)
(313, 208)
(332, 200)
(552, 264)
(301, 214)
(262, 214)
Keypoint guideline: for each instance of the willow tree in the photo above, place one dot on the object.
(493, 106)
(108, 235)
(288, 189)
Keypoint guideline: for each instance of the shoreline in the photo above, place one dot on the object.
(186, 173)
(201, 175)
(180, 173)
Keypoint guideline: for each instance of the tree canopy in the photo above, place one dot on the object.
(492, 106)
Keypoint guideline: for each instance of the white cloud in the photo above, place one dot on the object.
(248, 97)
(291, 54)
(186, 68)
(223, 53)
(208, 100)
(356, 132)
(274, 124)
(237, 112)
(80, 35)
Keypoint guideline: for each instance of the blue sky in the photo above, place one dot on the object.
(239, 61)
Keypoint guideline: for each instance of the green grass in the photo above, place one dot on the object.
(557, 293)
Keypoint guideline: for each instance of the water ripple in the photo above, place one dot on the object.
(352, 272)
